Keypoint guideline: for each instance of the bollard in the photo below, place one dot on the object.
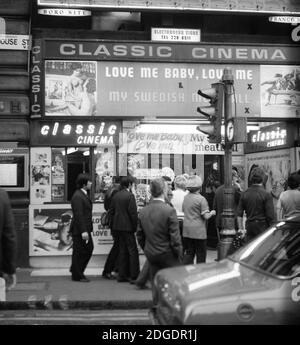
(2, 290)
(223, 247)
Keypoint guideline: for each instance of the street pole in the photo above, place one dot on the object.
(228, 222)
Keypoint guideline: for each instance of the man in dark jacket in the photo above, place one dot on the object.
(258, 205)
(125, 217)
(111, 263)
(218, 202)
(81, 228)
(8, 242)
(158, 232)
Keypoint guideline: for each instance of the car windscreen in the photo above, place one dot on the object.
(276, 251)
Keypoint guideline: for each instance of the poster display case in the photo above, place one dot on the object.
(49, 227)
(14, 169)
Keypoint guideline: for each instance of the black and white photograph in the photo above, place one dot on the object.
(149, 169)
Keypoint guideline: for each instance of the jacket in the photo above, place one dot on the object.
(82, 208)
(124, 211)
(158, 230)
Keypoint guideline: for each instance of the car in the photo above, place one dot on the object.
(257, 284)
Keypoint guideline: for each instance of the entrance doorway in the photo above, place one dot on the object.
(78, 161)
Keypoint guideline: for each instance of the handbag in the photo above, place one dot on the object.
(237, 242)
(106, 219)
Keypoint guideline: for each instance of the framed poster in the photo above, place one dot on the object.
(280, 91)
(49, 227)
(14, 169)
(277, 165)
(70, 88)
(40, 175)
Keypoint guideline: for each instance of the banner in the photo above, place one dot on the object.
(141, 89)
(168, 143)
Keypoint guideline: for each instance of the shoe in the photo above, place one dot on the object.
(123, 280)
(81, 280)
(107, 276)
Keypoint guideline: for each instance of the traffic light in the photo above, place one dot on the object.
(214, 112)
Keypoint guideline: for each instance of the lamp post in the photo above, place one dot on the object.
(228, 218)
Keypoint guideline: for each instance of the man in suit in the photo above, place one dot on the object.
(81, 228)
(125, 217)
(158, 232)
(258, 205)
(218, 203)
(8, 241)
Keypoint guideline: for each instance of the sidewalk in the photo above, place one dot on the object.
(60, 292)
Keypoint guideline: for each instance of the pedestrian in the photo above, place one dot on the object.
(258, 205)
(125, 218)
(196, 212)
(218, 202)
(81, 228)
(289, 200)
(168, 193)
(158, 233)
(111, 263)
(144, 276)
(8, 242)
(178, 195)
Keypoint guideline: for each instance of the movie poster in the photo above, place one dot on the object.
(280, 91)
(49, 227)
(40, 175)
(70, 88)
(277, 165)
(105, 170)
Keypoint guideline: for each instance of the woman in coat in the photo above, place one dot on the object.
(196, 212)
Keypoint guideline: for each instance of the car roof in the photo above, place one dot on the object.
(292, 219)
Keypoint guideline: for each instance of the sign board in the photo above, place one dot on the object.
(15, 42)
(66, 12)
(141, 82)
(251, 6)
(75, 133)
(285, 20)
(175, 35)
(280, 135)
(168, 143)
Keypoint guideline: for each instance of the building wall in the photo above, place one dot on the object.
(14, 106)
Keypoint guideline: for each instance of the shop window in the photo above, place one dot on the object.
(104, 170)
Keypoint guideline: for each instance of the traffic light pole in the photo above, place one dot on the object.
(228, 218)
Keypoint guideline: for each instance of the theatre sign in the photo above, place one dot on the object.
(140, 81)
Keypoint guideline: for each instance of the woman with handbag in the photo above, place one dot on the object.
(196, 212)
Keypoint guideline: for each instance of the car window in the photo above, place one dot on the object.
(277, 251)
